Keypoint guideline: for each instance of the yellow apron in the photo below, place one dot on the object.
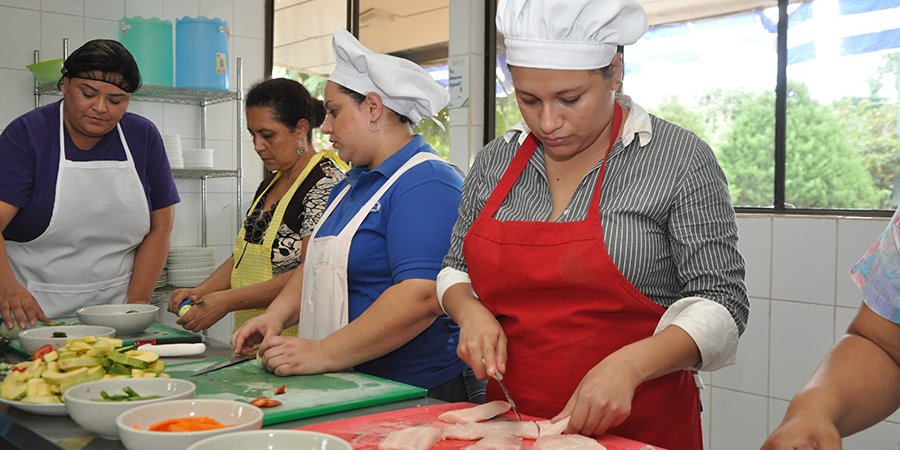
(253, 262)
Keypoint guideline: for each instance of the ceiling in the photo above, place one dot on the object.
(419, 29)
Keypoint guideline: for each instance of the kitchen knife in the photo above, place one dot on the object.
(168, 350)
(509, 399)
(166, 340)
(228, 362)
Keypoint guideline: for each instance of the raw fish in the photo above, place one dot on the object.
(567, 442)
(548, 428)
(497, 443)
(413, 438)
(474, 431)
(478, 413)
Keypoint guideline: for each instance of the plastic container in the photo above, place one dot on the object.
(49, 71)
(201, 53)
(150, 41)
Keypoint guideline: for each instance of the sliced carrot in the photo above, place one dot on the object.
(182, 424)
(280, 390)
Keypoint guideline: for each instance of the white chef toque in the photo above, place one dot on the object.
(404, 87)
(568, 34)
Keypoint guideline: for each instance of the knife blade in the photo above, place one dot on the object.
(194, 339)
(509, 399)
(228, 362)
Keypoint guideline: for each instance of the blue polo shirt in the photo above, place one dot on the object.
(405, 235)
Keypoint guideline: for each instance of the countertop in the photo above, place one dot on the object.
(65, 433)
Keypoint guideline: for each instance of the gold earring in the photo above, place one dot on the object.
(377, 125)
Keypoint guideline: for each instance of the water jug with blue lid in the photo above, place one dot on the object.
(150, 42)
(201, 53)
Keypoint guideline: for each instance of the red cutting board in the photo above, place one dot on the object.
(365, 432)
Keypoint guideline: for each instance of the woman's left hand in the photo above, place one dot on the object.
(285, 355)
(601, 401)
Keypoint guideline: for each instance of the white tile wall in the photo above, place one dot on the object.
(100, 29)
(144, 8)
(29, 4)
(751, 371)
(176, 9)
(801, 335)
(21, 36)
(249, 19)
(104, 9)
(74, 7)
(15, 90)
(55, 27)
(737, 420)
(755, 244)
(803, 259)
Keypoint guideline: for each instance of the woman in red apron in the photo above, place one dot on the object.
(530, 276)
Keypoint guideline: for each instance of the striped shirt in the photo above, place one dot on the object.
(667, 217)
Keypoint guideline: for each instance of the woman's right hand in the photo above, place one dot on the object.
(482, 343)
(18, 306)
(253, 331)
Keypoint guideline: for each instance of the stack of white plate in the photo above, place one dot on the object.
(198, 158)
(172, 143)
(189, 266)
(163, 279)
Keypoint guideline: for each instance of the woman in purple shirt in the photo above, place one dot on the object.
(86, 195)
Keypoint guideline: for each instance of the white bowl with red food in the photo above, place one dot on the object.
(181, 423)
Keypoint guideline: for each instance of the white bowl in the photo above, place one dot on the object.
(133, 424)
(34, 338)
(273, 440)
(100, 417)
(120, 317)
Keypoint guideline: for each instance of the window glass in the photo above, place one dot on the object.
(716, 77)
(418, 31)
(843, 150)
(303, 53)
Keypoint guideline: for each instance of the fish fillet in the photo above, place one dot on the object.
(413, 438)
(497, 443)
(548, 428)
(478, 413)
(474, 431)
(567, 442)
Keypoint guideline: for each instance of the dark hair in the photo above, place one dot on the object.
(110, 58)
(289, 102)
(359, 98)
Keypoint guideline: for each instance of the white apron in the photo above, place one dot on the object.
(324, 303)
(86, 254)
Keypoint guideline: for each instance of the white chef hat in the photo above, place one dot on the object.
(568, 34)
(404, 87)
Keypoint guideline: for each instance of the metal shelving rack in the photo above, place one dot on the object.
(187, 96)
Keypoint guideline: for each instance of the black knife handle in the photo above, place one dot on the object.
(179, 340)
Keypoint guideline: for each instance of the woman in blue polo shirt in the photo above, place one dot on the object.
(367, 293)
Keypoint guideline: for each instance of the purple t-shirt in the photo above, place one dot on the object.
(29, 164)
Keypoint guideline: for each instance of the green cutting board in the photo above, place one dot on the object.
(155, 330)
(305, 395)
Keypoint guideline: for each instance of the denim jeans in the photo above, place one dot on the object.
(461, 388)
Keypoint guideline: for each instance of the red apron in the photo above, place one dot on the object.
(564, 307)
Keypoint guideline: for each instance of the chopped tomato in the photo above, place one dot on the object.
(46, 348)
(264, 402)
(280, 390)
(17, 369)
